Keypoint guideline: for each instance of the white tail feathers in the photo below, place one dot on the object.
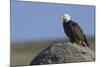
(84, 44)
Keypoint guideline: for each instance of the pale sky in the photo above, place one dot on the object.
(36, 21)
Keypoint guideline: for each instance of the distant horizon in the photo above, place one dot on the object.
(34, 21)
(46, 39)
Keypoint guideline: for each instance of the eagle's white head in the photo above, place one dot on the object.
(65, 17)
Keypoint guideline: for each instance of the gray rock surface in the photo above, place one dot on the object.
(64, 53)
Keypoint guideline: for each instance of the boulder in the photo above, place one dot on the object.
(64, 53)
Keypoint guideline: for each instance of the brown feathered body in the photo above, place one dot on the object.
(75, 33)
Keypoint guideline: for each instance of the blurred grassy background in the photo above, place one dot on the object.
(23, 52)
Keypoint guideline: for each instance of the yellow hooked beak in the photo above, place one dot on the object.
(62, 17)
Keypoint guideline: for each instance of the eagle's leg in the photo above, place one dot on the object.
(72, 40)
(78, 42)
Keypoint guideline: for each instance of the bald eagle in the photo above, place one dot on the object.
(74, 31)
